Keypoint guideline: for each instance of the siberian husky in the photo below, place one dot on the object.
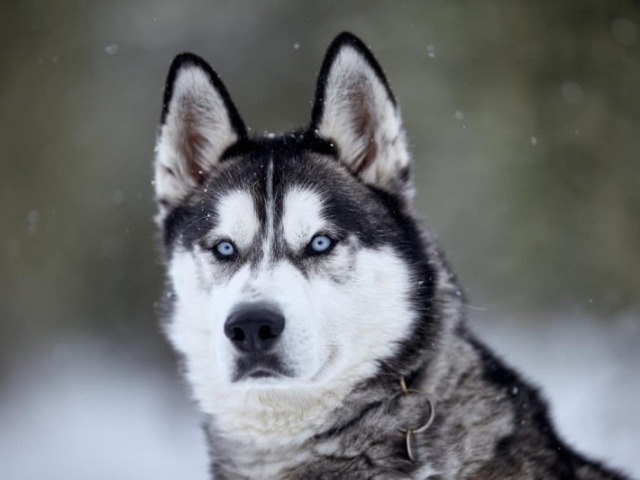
(322, 332)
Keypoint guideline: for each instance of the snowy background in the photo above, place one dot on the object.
(524, 119)
(86, 411)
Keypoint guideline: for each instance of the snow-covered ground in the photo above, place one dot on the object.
(87, 413)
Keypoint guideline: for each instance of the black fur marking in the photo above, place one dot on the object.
(183, 60)
(174, 223)
(405, 174)
(345, 39)
(427, 326)
(291, 143)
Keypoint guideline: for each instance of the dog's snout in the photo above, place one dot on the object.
(255, 328)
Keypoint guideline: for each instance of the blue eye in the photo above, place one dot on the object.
(225, 250)
(320, 244)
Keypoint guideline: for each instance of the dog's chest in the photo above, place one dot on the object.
(373, 448)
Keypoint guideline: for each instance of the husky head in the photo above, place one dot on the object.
(295, 269)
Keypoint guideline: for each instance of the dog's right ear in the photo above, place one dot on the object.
(199, 122)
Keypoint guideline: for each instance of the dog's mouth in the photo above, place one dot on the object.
(262, 373)
(259, 368)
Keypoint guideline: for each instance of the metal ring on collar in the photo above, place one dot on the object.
(410, 432)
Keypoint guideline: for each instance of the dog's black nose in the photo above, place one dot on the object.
(254, 328)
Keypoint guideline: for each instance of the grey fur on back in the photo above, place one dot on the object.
(489, 423)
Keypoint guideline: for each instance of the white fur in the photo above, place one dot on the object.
(195, 109)
(322, 343)
(302, 217)
(353, 86)
(238, 219)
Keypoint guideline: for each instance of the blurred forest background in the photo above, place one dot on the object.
(524, 120)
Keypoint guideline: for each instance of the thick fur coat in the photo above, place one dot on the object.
(321, 330)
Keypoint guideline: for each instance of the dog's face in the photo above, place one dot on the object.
(288, 258)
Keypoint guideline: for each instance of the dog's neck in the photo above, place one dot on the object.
(262, 444)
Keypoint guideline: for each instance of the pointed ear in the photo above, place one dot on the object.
(199, 122)
(356, 110)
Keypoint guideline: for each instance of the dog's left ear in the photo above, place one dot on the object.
(356, 110)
